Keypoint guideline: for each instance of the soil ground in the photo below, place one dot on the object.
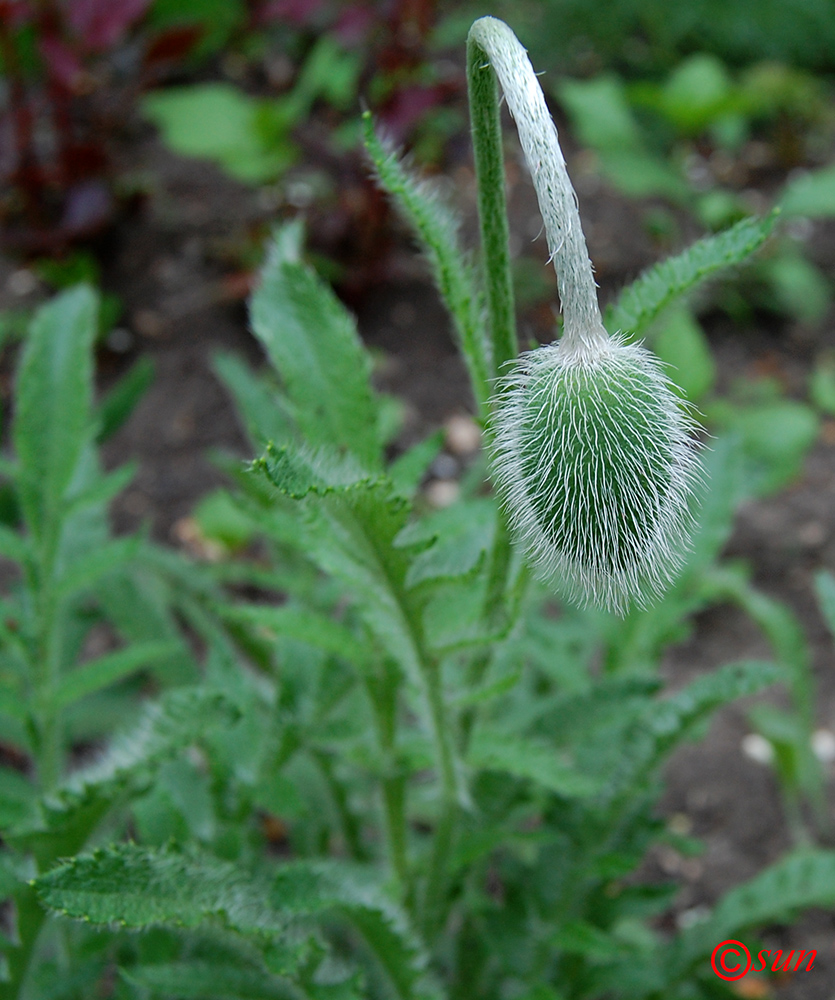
(166, 261)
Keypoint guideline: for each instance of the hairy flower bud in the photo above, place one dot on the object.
(594, 461)
(592, 448)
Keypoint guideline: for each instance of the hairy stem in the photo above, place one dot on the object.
(492, 209)
(491, 39)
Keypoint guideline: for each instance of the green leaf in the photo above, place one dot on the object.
(532, 759)
(797, 286)
(825, 589)
(18, 801)
(87, 571)
(437, 229)
(822, 384)
(165, 727)
(681, 343)
(312, 342)
(576, 937)
(407, 471)
(641, 175)
(97, 674)
(776, 437)
(643, 300)
(697, 93)
(458, 538)
(667, 721)
(311, 888)
(137, 887)
(220, 518)
(103, 489)
(215, 21)
(13, 546)
(53, 399)
(600, 112)
(305, 626)
(297, 473)
(138, 601)
(216, 121)
(350, 535)
(210, 978)
(803, 879)
(260, 405)
(811, 194)
(121, 400)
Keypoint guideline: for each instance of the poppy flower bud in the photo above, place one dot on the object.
(592, 448)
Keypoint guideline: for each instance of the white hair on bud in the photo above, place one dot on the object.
(596, 465)
(592, 449)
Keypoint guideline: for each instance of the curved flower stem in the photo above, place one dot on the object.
(492, 40)
(492, 208)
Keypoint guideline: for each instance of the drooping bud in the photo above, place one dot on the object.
(592, 448)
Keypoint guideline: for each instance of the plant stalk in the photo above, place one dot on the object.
(485, 122)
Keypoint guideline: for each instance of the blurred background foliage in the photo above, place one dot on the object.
(697, 116)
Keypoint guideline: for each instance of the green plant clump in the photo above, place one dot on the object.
(404, 771)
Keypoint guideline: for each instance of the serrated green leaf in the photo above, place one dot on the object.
(643, 300)
(261, 406)
(407, 471)
(103, 489)
(86, 571)
(802, 879)
(530, 758)
(53, 399)
(312, 342)
(138, 887)
(296, 473)
(437, 229)
(164, 728)
(138, 602)
(306, 626)
(311, 888)
(576, 937)
(97, 674)
(666, 722)
(350, 535)
(18, 800)
(458, 538)
(206, 979)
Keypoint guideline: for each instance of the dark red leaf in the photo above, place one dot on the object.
(83, 160)
(407, 106)
(15, 13)
(173, 45)
(299, 13)
(354, 24)
(100, 24)
(62, 64)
